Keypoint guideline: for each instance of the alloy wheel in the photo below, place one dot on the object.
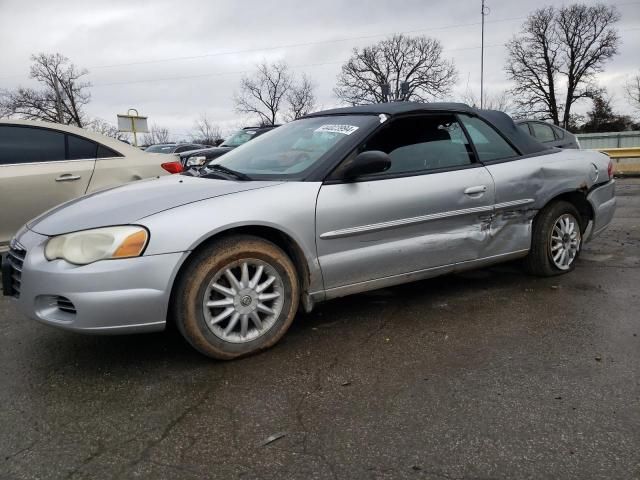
(565, 241)
(243, 300)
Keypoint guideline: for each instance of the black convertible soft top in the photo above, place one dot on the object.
(502, 122)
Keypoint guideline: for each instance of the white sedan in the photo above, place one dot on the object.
(44, 164)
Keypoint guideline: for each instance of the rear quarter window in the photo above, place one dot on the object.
(80, 148)
(543, 132)
(106, 152)
(559, 132)
(488, 143)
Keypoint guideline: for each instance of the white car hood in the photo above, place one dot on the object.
(129, 203)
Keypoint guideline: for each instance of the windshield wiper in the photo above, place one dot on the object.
(221, 168)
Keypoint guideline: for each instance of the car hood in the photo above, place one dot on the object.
(131, 202)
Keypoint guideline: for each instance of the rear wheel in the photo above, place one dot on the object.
(237, 296)
(556, 240)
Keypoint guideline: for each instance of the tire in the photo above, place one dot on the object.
(540, 260)
(206, 327)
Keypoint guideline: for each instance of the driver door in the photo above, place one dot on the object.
(430, 209)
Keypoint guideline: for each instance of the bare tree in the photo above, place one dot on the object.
(560, 49)
(61, 97)
(156, 135)
(103, 127)
(300, 98)
(264, 93)
(533, 65)
(632, 89)
(417, 61)
(501, 101)
(206, 132)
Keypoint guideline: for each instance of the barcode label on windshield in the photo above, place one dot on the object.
(344, 129)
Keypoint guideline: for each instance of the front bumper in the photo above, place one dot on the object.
(603, 203)
(109, 296)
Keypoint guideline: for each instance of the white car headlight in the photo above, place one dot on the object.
(89, 246)
(196, 161)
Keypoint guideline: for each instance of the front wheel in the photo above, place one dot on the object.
(556, 240)
(236, 297)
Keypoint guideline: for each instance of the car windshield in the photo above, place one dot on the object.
(287, 151)
(238, 138)
(160, 149)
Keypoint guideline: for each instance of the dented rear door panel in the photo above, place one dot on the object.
(524, 186)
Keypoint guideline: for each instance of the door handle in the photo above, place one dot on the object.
(475, 190)
(67, 177)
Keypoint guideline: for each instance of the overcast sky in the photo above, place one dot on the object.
(137, 52)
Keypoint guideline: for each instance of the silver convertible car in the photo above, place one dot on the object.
(335, 203)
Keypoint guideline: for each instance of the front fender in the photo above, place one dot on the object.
(288, 207)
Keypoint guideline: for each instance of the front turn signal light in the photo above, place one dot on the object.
(132, 246)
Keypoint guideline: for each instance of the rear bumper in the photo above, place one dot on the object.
(603, 202)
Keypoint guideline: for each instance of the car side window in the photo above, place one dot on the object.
(106, 152)
(422, 143)
(80, 148)
(543, 132)
(20, 144)
(559, 133)
(524, 127)
(489, 144)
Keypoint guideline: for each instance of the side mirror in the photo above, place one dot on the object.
(373, 161)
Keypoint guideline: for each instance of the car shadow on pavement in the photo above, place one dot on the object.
(401, 298)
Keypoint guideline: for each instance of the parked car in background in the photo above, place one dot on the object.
(335, 203)
(548, 134)
(44, 164)
(197, 158)
(174, 147)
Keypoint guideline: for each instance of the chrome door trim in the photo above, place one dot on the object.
(514, 203)
(402, 222)
(49, 162)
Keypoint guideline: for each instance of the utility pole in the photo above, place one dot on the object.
(485, 11)
(56, 87)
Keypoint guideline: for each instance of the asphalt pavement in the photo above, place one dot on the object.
(482, 375)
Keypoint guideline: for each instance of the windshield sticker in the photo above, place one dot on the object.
(344, 129)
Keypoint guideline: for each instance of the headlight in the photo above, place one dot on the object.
(196, 161)
(89, 246)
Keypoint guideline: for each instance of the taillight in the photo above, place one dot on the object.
(172, 167)
(610, 169)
